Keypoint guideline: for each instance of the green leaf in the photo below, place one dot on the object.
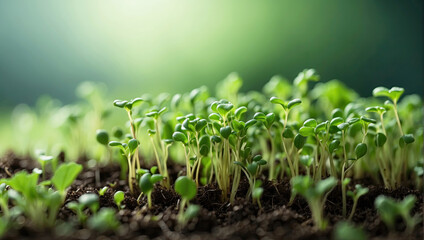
(361, 150)
(103, 191)
(118, 197)
(336, 121)
(293, 103)
(214, 117)
(257, 192)
(310, 123)
(406, 139)
(343, 126)
(179, 137)
(321, 127)
(307, 131)
(200, 125)
(368, 120)
(252, 168)
(145, 184)
(380, 92)
(191, 212)
(288, 133)
(333, 145)
(299, 141)
(156, 178)
(225, 132)
(306, 76)
(239, 163)
(336, 113)
(102, 136)
(152, 114)
(103, 221)
(276, 100)
(325, 185)
(133, 144)
(65, 175)
(115, 144)
(120, 103)
(224, 108)
(380, 139)
(270, 117)
(260, 116)
(239, 112)
(250, 123)
(136, 102)
(185, 187)
(395, 93)
(306, 160)
(151, 132)
(88, 199)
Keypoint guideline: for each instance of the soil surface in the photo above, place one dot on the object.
(216, 220)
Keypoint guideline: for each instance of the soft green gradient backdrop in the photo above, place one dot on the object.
(48, 47)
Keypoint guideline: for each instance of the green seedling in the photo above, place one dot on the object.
(347, 231)
(129, 150)
(287, 107)
(315, 195)
(355, 195)
(160, 146)
(146, 183)
(88, 200)
(133, 144)
(44, 160)
(103, 221)
(118, 197)
(251, 171)
(389, 209)
(37, 202)
(103, 191)
(257, 193)
(187, 189)
(64, 176)
(393, 94)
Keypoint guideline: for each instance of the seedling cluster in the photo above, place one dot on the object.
(318, 139)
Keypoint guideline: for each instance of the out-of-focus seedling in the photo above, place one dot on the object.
(118, 197)
(389, 209)
(315, 195)
(355, 195)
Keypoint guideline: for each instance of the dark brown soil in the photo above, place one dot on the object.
(216, 220)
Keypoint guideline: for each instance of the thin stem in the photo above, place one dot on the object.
(397, 118)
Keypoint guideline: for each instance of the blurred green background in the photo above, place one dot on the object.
(135, 47)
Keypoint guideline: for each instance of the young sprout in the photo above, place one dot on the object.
(257, 193)
(393, 94)
(355, 195)
(360, 150)
(133, 157)
(287, 107)
(44, 160)
(389, 209)
(315, 194)
(251, 171)
(118, 197)
(187, 189)
(347, 231)
(89, 200)
(64, 176)
(103, 191)
(146, 184)
(103, 221)
(128, 150)
(160, 147)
